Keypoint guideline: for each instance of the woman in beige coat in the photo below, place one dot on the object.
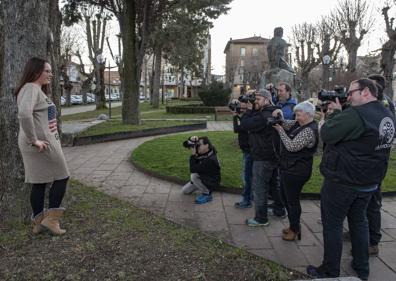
(40, 146)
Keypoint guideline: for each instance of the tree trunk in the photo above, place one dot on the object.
(100, 97)
(130, 101)
(387, 64)
(53, 53)
(305, 94)
(352, 57)
(157, 78)
(28, 40)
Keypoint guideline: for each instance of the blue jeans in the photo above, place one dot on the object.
(247, 166)
(262, 174)
(338, 202)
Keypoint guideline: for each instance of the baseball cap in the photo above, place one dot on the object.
(264, 93)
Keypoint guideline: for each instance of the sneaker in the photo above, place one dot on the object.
(243, 205)
(253, 222)
(316, 272)
(277, 213)
(373, 250)
(203, 198)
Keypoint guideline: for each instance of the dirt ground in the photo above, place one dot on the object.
(108, 239)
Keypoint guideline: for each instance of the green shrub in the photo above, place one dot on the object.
(216, 94)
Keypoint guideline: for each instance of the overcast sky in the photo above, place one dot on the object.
(258, 17)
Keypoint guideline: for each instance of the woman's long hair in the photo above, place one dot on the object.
(33, 69)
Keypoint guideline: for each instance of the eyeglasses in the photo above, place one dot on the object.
(349, 93)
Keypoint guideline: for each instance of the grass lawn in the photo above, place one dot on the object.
(173, 160)
(116, 126)
(108, 239)
(116, 111)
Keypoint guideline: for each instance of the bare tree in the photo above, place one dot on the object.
(388, 51)
(311, 43)
(353, 20)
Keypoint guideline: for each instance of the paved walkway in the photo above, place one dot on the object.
(84, 108)
(106, 166)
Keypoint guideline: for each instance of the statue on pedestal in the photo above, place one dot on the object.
(277, 51)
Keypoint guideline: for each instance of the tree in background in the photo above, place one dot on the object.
(352, 21)
(36, 35)
(388, 51)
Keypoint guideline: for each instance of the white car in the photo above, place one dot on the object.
(76, 99)
(62, 101)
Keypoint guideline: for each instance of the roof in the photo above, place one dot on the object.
(114, 77)
(249, 40)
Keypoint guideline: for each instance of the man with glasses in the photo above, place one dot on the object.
(354, 162)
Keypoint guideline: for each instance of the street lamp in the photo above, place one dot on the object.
(326, 63)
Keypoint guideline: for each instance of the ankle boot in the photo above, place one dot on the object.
(37, 228)
(51, 221)
(286, 230)
(291, 235)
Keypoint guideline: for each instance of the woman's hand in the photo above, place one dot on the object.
(41, 145)
(278, 127)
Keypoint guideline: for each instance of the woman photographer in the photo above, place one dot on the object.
(204, 169)
(299, 140)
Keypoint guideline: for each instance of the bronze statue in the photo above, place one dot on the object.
(277, 51)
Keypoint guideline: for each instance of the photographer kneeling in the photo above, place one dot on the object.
(204, 169)
(299, 140)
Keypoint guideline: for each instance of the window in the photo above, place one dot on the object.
(254, 52)
(242, 63)
(243, 52)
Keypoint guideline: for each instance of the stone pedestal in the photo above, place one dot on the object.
(275, 76)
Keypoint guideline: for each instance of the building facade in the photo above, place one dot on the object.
(246, 60)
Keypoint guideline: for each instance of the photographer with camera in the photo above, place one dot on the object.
(354, 162)
(299, 141)
(261, 140)
(247, 162)
(285, 101)
(204, 169)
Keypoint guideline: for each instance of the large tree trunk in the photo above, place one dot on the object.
(130, 102)
(100, 97)
(29, 39)
(387, 64)
(352, 57)
(306, 91)
(53, 51)
(157, 78)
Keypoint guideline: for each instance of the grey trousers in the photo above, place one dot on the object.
(195, 184)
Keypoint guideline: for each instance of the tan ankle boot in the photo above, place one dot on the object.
(286, 230)
(291, 236)
(37, 228)
(51, 221)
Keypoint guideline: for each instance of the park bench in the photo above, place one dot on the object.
(221, 110)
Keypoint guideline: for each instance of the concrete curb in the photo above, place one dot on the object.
(72, 140)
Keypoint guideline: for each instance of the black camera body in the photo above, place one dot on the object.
(247, 98)
(339, 92)
(271, 121)
(191, 142)
(235, 105)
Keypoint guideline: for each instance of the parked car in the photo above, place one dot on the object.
(62, 101)
(115, 97)
(76, 99)
(90, 99)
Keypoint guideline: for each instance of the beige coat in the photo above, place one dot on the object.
(37, 121)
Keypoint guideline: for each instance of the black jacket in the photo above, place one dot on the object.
(243, 135)
(207, 167)
(362, 162)
(262, 137)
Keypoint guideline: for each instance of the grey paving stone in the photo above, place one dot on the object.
(153, 200)
(238, 216)
(159, 188)
(179, 210)
(211, 222)
(313, 254)
(379, 271)
(288, 252)
(250, 237)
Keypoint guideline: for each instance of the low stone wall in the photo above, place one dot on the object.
(71, 140)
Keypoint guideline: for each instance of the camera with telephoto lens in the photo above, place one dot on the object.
(247, 98)
(339, 92)
(235, 105)
(271, 121)
(191, 142)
